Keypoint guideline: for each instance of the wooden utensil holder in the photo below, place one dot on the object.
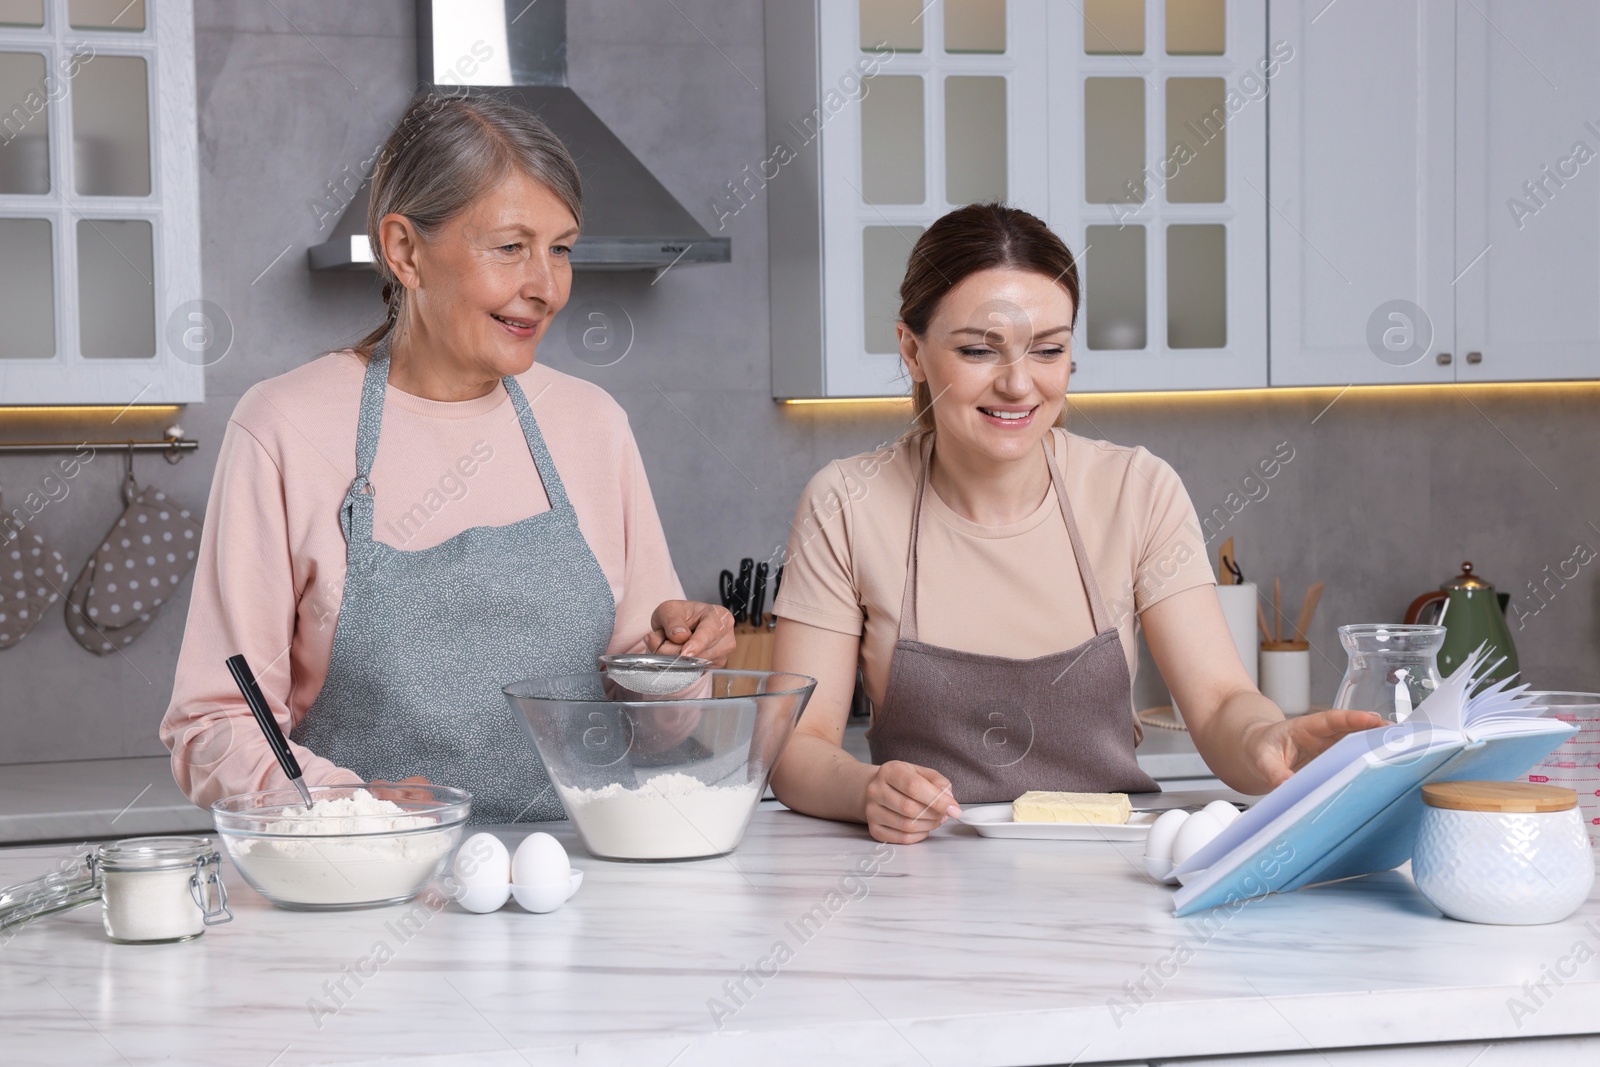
(753, 651)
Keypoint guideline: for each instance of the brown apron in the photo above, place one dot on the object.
(998, 727)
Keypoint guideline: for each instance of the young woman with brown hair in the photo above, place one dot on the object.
(987, 578)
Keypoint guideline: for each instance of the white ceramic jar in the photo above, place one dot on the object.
(1507, 853)
(1286, 675)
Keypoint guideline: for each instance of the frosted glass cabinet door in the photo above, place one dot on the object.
(116, 295)
(975, 26)
(1363, 216)
(974, 139)
(27, 284)
(111, 127)
(892, 147)
(22, 13)
(1197, 27)
(1157, 124)
(1528, 85)
(896, 23)
(1197, 112)
(947, 114)
(1116, 310)
(1113, 27)
(885, 250)
(106, 15)
(1113, 140)
(25, 133)
(99, 203)
(1197, 286)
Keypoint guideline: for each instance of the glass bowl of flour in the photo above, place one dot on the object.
(357, 846)
(669, 777)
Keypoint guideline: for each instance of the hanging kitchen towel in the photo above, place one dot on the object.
(136, 570)
(32, 575)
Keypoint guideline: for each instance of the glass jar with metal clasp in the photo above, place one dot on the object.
(151, 889)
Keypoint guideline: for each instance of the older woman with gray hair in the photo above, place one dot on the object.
(398, 529)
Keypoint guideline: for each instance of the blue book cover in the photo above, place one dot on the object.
(1355, 809)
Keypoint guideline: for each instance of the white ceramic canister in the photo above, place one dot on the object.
(159, 888)
(1239, 610)
(1507, 853)
(1286, 675)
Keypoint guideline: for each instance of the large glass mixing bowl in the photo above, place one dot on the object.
(670, 777)
(335, 861)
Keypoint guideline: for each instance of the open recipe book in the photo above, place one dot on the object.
(1356, 808)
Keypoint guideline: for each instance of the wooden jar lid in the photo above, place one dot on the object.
(1498, 796)
(1285, 646)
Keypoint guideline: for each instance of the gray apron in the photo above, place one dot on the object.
(426, 639)
(998, 727)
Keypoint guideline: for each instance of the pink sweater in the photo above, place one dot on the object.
(270, 574)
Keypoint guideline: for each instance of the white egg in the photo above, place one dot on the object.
(1195, 833)
(1222, 810)
(483, 899)
(540, 861)
(543, 898)
(481, 873)
(1158, 845)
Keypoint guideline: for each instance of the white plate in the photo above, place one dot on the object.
(994, 820)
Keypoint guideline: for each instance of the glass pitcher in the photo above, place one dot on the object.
(1393, 668)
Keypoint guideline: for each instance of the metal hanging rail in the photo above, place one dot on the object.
(174, 447)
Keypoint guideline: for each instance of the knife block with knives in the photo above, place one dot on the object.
(745, 595)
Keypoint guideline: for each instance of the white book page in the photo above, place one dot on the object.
(1465, 704)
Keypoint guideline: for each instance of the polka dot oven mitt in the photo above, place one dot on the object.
(137, 568)
(32, 576)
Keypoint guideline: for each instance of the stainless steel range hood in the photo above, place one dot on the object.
(518, 50)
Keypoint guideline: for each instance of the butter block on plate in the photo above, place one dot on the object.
(1038, 806)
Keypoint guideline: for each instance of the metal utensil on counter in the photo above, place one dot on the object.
(758, 596)
(652, 673)
(246, 681)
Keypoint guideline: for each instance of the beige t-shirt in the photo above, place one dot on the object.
(1009, 590)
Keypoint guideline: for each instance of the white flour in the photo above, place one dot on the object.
(150, 905)
(670, 816)
(320, 867)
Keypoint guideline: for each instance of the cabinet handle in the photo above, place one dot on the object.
(1474, 357)
(1444, 359)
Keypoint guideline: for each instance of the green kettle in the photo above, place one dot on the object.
(1472, 613)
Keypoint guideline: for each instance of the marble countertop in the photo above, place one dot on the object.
(86, 799)
(810, 944)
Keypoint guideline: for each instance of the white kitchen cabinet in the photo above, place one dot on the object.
(1528, 181)
(1361, 177)
(1157, 137)
(1432, 178)
(1420, 182)
(882, 115)
(99, 205)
